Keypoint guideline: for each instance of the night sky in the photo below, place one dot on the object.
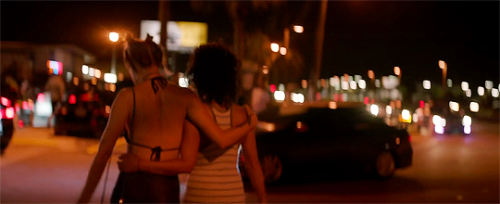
(359, 35)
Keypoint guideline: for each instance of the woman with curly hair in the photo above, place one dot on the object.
(154, 113)
(215, 177)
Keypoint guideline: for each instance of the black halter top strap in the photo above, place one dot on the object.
(156, 84)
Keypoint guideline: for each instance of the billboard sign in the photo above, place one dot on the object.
(182, 36)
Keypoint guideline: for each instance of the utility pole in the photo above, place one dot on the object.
(163, 16)
(320, 35)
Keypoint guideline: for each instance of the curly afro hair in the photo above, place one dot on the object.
(214, 70)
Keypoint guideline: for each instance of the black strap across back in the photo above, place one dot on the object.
(156, 84)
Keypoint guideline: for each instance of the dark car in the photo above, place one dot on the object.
(82, 115)
(452, 123)
(7, 124)
(330, 142)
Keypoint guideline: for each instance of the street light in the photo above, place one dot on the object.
(444, 67)
(275, 47)
(298, 29)
(113, 37)
(283, 50)
(397, 71)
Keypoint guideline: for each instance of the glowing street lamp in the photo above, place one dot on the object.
(298, 29)
(283, 50)
(275, 47)
(397, 71)
(113, 37)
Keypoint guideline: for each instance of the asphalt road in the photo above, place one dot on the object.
(41, 168)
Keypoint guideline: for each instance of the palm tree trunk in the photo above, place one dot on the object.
(320, 35)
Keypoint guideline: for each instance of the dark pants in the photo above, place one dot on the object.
(142, 187)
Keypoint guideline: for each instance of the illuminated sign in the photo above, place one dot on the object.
(182, 35)
(55, 67)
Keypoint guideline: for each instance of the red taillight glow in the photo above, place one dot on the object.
(21, 124)
(25, 105)
(5, 101)
(409, 138)
(272, 88)
(40, 98)
(72, 99)
(9, 112)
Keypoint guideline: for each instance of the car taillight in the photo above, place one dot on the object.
(72, 99)
(9, 112)
(40, 98)
(5, 101)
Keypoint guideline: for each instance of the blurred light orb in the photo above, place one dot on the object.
(114, 36)
(494, 93)
(474, 107)
(345, 85)
(388, 110)
(362, 84)
(454, 106)
(467, 129)
(110, 78)
(85, 69)
(298, 29)
(488, 84)
(442, 64)
(281, 87)
(405, 114)
(265, 70)
(436, 119)
(374, 109)
(468, 93)
(283, 50)
(426, 84)
(275, 47)
(467, 121)
(439, 129)
(371, 75)
(450, 83)
(415, 117)
(91, 72)
(465, 85)
(279, 95)
(397, 71)
(332, 105)
(353, 85)
(480, 91)
(377, 83)
(304, 83)
(183, 82)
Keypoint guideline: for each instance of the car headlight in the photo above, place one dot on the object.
(467, 120)
(436, 120)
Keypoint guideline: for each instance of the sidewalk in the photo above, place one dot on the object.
(33, 136)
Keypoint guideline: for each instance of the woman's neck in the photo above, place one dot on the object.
(147, 75)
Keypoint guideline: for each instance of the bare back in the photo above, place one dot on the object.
(158, 119)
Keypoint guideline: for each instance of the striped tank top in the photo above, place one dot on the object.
(215, 177)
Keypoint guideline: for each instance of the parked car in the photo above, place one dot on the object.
(332, 141)
(7, 115)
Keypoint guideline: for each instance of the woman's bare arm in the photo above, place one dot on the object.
(117, 120)
(201, 117)
(253, 167)
(183, 164)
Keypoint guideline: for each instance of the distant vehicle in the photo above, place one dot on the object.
(452, 123)
(330, 141)
(81, 116)
(7, 113)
